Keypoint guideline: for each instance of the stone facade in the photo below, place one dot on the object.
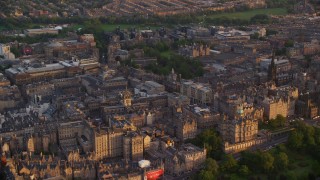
(196, 50)
(108, 143)
(273, 107)
(197, 92)
(133, 146)
(187, 158)
(239, 130)
(186, 127)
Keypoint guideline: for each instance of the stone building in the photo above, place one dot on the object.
(197, 92)
(6, 52)
(108, 143)
(206, 119)
(35, 32)
(311, 48)
(307, 106)
(239, 130)
(193, 51)
(37, 90)
(23, 76)
(30, 145)
(133, 146)
(275, 106)
(113, 47)
(51, 167)
(58, 48)
(88, 38)
(234, 105)
(10, 97)
(187, 158)
(138, 119)
(126, 95)
(186, 126)
(239, 126)
(68, 133)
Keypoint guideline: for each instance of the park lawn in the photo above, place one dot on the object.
(302, 164)
(112, 27)
(76, 26)
(246, 15)
(299, 165)
(166, 54)
(2, 28)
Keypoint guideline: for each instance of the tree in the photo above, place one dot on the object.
(281, 161)
(260, 18)
(308, 59)
(282, 148)
(16, 51)
(309, 136)
(212, 142)
(291, 176)
(212, 166)
(228, 163)
(205, 175)
(278, 122)
(289, 43)
(244, 170)
(295, 140)
(255, 36)
(317, 136)
(266, 161)
(271, 32)
(251, 160)
(316, 167)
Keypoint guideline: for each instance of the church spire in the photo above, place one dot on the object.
(272, 68)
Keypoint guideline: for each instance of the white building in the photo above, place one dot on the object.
(232, 34)
(6, 52)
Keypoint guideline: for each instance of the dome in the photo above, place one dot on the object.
(144, 163)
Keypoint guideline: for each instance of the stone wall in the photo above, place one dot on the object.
(238, 147)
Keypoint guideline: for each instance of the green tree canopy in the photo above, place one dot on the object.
(244, 170)
(212, 166)
(212, 142)
(228, 163)
(278, 122)
(295, 140)
(267, 161)
(205, 175)
(281, 161)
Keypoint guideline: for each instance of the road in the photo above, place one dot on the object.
(313, 122)
(263, 147)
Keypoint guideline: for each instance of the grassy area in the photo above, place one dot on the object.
(76, 27)
(299, 165)
(2, 28)
(166, 54)
(112, 27)
(246, 15)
